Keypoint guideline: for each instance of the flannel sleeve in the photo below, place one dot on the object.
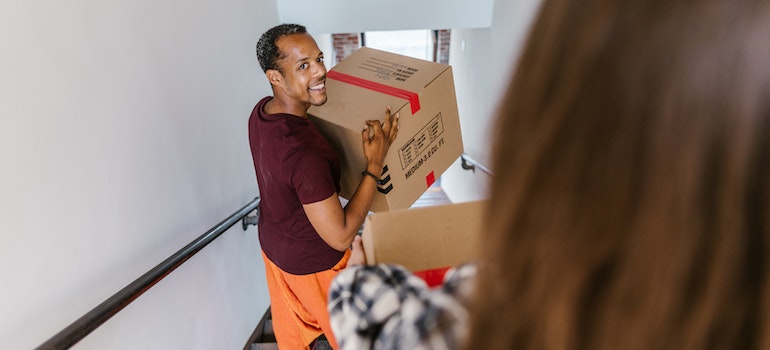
(387, 307)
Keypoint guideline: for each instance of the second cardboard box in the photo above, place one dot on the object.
(425, 238)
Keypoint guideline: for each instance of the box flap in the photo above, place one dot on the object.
(377, 79)
(424, 238)
(390, 69)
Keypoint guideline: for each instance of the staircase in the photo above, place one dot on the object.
(263, 337)
(435, 195)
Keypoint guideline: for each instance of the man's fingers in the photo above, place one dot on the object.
(375, 125)
(389, 127)
(371, 130)
(393, 128)
(388, 117)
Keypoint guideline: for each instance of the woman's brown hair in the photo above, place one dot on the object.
(630, 207)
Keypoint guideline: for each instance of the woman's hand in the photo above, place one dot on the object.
(357, 254)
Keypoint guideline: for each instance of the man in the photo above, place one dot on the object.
(304, 231)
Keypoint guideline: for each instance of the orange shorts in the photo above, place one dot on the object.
(298, 305)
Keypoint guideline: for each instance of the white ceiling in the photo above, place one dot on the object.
(351, 16)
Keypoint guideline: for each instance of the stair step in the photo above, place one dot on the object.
(268, 335)
(435, 195)
(322, 344)
(263, 337)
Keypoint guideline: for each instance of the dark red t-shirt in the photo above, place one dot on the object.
(295, 165)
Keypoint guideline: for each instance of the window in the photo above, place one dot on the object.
(412, 43)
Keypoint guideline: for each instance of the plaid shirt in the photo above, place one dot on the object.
(387, 307)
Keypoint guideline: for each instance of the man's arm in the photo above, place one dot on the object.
(336, 225)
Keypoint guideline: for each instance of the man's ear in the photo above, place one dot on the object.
(274, 76)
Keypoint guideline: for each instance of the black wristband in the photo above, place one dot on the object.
(367, 173)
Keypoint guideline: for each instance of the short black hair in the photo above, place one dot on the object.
(268, 53)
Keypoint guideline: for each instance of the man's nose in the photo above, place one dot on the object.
(319, 69)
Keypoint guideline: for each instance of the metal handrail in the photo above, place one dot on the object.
(108, 308)
(471, 164)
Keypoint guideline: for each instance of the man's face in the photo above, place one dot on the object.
(304, 73)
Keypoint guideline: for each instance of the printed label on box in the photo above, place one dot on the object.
(422, 145)
(386, 70)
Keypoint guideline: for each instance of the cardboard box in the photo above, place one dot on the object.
(360, 88)
(425, 238)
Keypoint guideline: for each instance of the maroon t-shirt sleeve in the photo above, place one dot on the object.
(310, 175)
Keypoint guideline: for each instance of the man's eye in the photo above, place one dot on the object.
(304, 66)
(320, 59)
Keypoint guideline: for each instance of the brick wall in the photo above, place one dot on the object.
(344, 45)
(442, 55)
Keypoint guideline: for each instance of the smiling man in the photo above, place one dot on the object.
(304, 231)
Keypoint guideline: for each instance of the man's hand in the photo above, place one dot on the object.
(336, 225)
(377, 138)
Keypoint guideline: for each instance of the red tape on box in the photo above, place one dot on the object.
(433, 277)
(413, 98)
(430, 179)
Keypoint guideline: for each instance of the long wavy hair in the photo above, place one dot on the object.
(630, 207)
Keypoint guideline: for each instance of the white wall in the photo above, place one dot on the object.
(482, 62)
(122, 138)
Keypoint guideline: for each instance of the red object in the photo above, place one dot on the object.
(412, 97)
(433, 277)
(430, 179)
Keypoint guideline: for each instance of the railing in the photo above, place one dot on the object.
(108, 308)
(471, 164)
